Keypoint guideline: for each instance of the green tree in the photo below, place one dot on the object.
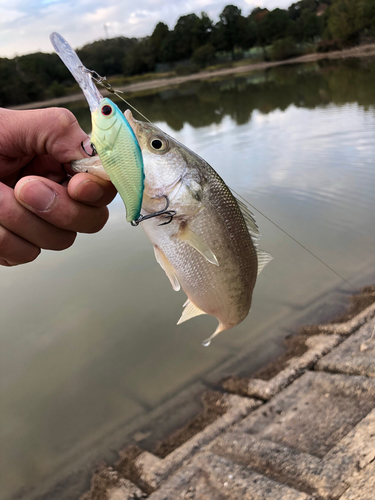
(204, 55)
(157, 40)
(139, 59)
(203, 30)
(311, 26)
(190, 32)
(295, 10)
(186, 36)
(284, 48)
(231, 30)
(348, 18)
(305, 23)
(13, 89)
(106, 56)
(272, 26)
(56, 89)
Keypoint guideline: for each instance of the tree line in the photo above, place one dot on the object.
(195, 42)
(313, 85)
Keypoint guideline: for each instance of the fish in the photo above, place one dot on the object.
(209, 247)
(112, 136)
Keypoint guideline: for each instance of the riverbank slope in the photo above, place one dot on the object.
(306, 433)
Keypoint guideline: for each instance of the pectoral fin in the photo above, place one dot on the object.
(190, 311)
(169, 270)
(196, 242)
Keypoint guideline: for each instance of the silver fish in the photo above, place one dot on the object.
(209, 248)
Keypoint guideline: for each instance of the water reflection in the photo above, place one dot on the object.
(89, 342)
(202, 103)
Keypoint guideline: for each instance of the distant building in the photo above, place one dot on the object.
(321, 9)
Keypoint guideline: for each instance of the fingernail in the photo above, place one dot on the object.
(37, 195)
(89, 191)
(87, 146)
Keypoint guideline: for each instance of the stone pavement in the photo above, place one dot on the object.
(307, 433)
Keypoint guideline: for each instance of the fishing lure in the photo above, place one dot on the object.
(112, 137)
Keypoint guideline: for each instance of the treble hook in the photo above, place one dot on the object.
(167, 214)
(101, 80)
(93, 150)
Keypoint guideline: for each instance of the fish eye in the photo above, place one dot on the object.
(106, 110)
(159, 144)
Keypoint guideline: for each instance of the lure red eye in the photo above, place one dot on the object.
(106, 110)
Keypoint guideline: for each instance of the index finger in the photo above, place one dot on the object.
(53, 131)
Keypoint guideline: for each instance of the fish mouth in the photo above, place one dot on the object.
(132, 121)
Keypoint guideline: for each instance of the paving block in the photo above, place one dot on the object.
(364, 488)
(315, 436)
(106, 484)
(216, 478)
(354, 452)
(355, 356)
(301, 471)
(154, 470)
(328, 477)
(318, 346)
(350, 326)
(313, 413)
(125, 491)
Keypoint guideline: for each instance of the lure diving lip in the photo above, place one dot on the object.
(75, 66)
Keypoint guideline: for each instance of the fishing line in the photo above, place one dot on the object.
(102, 80)
(104, 83)
(296, 241)
(135, 109)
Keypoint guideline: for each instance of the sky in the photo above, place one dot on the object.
(25, 26)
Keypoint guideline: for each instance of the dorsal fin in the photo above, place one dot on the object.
(263, 259)
(251, 224)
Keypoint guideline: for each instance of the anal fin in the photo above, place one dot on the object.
(196, 242)
(190, 311)
(168, 268)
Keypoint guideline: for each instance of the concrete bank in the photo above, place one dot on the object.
(306, 433)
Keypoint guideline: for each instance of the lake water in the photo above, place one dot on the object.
(89, 343)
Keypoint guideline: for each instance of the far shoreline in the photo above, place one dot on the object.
(367, 50)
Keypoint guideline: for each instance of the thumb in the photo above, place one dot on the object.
(53, 131)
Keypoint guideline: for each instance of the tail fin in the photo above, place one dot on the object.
(221, 327)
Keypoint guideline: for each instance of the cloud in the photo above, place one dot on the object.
(9, 15)
(100, 15)
(269, 4)
(25, 26)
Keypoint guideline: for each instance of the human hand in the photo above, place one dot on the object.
(41, 207)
